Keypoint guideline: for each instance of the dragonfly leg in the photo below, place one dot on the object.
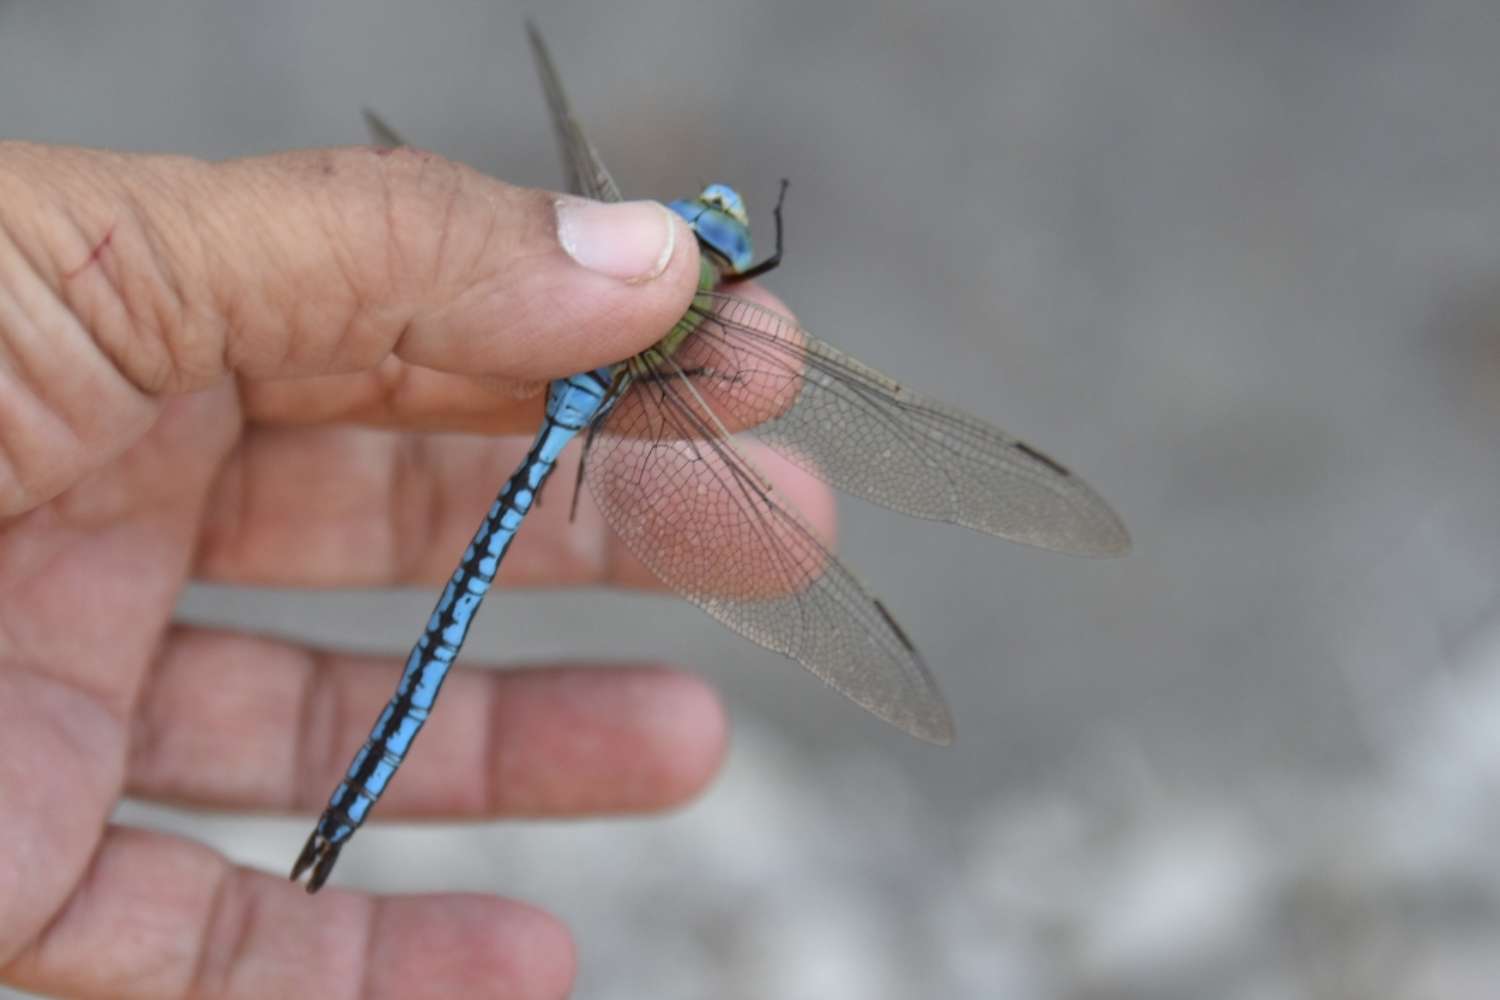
(699, 371)
(622, 379)
(771, 262)
(583, 460)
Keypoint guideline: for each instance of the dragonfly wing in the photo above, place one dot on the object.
(381, 133)
(866, 434)
(586, 173)
(691, 507)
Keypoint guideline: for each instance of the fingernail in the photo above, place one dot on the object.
(631, 240)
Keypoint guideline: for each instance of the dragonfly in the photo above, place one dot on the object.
(662, 463)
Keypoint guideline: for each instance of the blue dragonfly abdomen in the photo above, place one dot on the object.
(572, 404)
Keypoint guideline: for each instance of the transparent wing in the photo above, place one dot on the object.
(381, 134)
(866, 434)
(586, 173)
(695, 511)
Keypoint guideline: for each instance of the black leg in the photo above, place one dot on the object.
(616, 388)
(770, 263)
(699, 371)
(583, 460)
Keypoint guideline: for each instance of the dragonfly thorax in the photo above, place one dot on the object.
(719, 221)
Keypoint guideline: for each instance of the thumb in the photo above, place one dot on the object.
(127, 278)
(324, 261)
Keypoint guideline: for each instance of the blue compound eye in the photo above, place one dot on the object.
(726, 236)
(718, 219)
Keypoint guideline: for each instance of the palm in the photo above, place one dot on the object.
(89, 580)
(238, 372)
(101, 695)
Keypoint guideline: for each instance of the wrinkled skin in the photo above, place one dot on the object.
(249, 372)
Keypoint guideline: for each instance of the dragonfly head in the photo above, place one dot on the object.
(719, 221)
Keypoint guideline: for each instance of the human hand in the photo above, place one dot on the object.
(236, 372)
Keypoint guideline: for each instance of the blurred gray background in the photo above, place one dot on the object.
(1237, 263)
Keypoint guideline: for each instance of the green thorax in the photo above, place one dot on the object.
(717, 217)
(708, 279)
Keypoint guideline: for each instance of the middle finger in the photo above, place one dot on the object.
(244, 722)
